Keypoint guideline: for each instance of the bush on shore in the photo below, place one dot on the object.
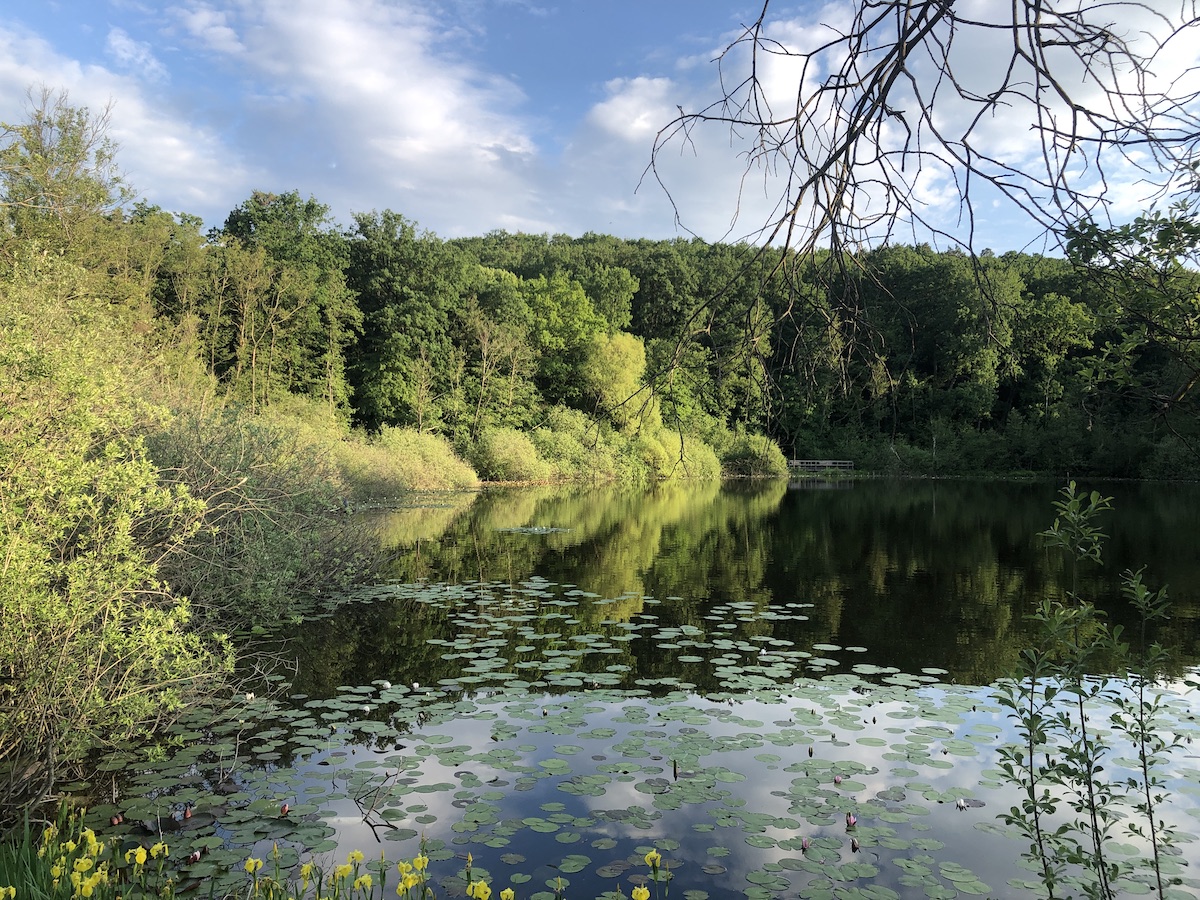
(754, 456)
(398, 460)
(505, 454)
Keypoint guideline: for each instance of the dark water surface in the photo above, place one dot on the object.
(557, 681)
(919, 573)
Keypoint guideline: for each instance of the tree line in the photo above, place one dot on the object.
(943, 362)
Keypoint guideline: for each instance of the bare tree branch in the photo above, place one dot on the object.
(913, 95)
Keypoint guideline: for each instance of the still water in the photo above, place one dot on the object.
(920, 573)
(783, 690)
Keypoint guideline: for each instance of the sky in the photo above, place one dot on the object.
(464, 116)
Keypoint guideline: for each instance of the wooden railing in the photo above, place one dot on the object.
(821, 465)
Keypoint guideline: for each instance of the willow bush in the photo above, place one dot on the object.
(754, 456)
(505, 454)
(267, 540)
(426, 461)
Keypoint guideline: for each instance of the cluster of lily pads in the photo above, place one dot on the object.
(554, 769)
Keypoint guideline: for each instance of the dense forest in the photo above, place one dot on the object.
(910, 360)
(181, 408)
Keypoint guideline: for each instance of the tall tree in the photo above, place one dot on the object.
(303, 315)
(408, 282)
(1143, 278)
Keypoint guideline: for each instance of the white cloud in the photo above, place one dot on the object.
(370, 104)
(635, 110)
(135, 56)
(390, 103)
(210, 27)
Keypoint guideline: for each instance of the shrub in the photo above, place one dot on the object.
(268, 543)
(578, 448)
(94, 647)
(567, 458)
(655, 458)
(505, 454)
(697, 460)
(754, 456)
(400, 460)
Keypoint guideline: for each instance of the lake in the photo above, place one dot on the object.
(786, 690)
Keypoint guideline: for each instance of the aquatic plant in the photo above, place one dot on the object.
(1071, 806)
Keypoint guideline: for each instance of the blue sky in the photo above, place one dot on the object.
(462, 115)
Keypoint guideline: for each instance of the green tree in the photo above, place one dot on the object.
(94, 648)
(1144, 277)
(58, 171)
(611, 377)
(296, 313)
(403, 367)
(564, 323)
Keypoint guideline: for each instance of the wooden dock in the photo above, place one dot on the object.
(821, 465)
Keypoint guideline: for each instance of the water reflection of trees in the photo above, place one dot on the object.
(921, 574)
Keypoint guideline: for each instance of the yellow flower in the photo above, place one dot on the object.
(356, 856)
(508, 894)
(362, 882)
(343, 871)
(9, 892)
(641, 892)
(306, 872)
(653, 858)
(136, 855)
(253, 865)
(479, 890)
(159, 849)
(421, 862)
(409, 881)
(84, 864)
(403, 867)
(70, 846)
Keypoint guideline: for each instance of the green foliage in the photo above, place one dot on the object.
(612, 376)
(268, 482)
(279, 306)
(58, 172)
(574, 447)
(565, 322)
(411, 460)
(94, 646)
(1071, 810)
(69, 861)
(578, 448)
(753, 456)
(404, 368)
(505, 454)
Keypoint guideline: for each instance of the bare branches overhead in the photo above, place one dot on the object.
(861, 129)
